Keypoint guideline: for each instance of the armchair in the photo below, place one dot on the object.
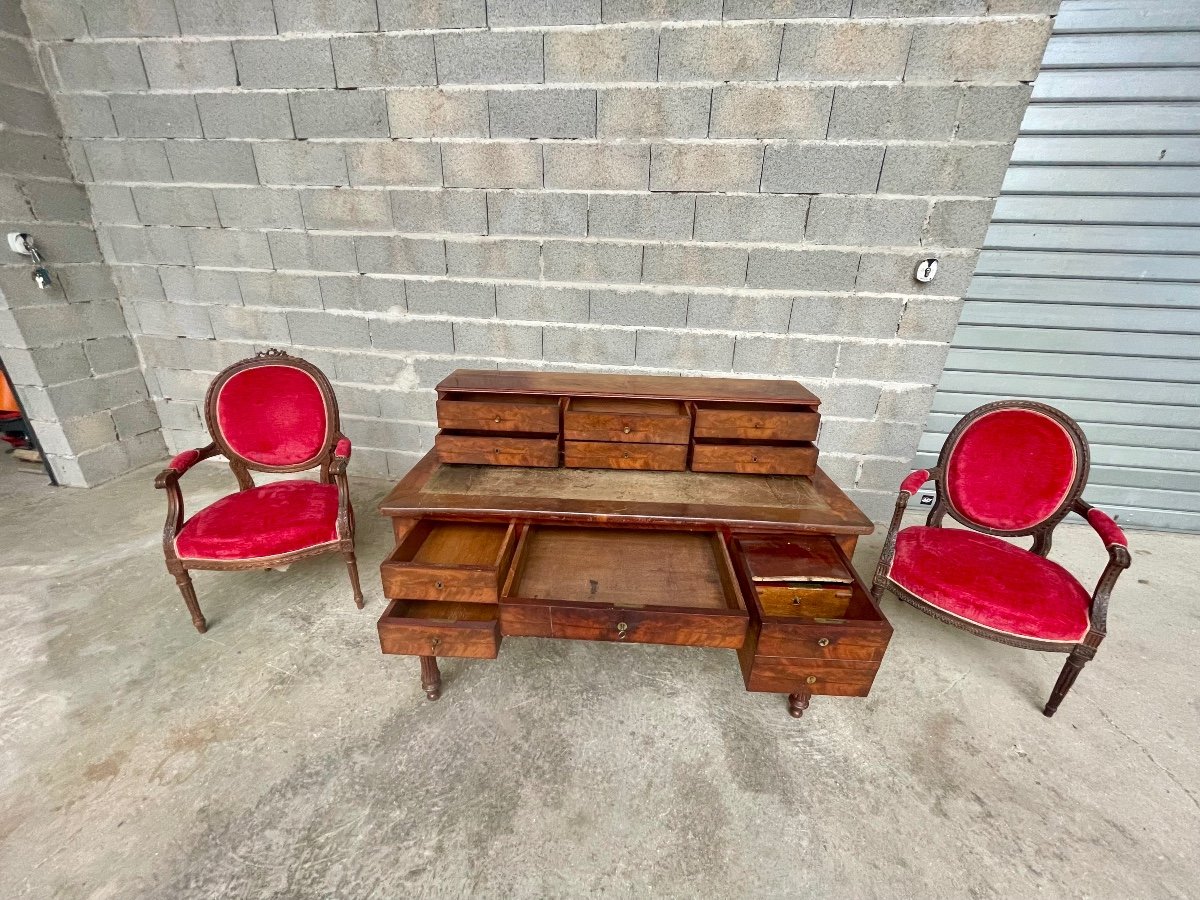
(273, 413)
(1008, 469)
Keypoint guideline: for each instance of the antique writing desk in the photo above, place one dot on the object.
(508, 528)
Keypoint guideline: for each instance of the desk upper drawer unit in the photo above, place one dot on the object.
(442, 559)
(510, 413)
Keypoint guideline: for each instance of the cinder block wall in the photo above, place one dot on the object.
(67, 348)
(394, 188)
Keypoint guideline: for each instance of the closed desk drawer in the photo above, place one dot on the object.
(755, 422)
(755, 459)
(498, 412)
(644, 457)
(626, 420)
(831, 677)
(497, 450)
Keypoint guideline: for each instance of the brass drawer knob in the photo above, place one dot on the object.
(627, 429)
(439, 585)
(823, 642)
(434, 642)
(497, 419)
(622, 629)
(811, 679)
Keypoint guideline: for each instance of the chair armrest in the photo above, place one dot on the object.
(168, 479)
(1118, 560)
(341, 456)
(181, 463)
(907, 488)
(910, 484)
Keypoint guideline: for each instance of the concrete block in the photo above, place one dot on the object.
(183, 284)
(851, 221)
(871, 437)
(992, 112)
(313, 252)
(958, 223)
(237, 323)
(173, 319)
(786, 9)
(144, 246)
(930, 318)
(57, 201)
(46, 366)
(87, 282)
(135, 419)
(178, 414)
(292, 63)
(652, 308)
(537, 213)
(439, 211)
(515, 13)
(355, 292)
(892, 273)
(451, 298)
(300, 162)
(280, 290)
(86, 115)
(533, 303)
(415, 405)
(383, 60)
(719, 53)
(220, 248)
(705, 167)
(375, 433)
(991, 50)
(589, 261)
(258, 208)
(78, 435)
(952, 169)
(326, 114)
(127, 160)
(325, 15)
(182, 385)
(155, 115)
(326, 329)
(86, 66)
(905, 403)
(758, 111)
(661, 10)
(643, 216)
(32, 156)
(694, 264)
(189, 65)
(399, 163)
(213, 162)
(397, 15)
(822, 169)
(597, 167)
(436, 113)
(737, 312)
(356, 401)
(844, 51)
(346, 209)
(602, 55)
(27, 110)
(687, 351)
(895, 112)
(226, 17)
(884, 8)
(750, 218)
(175, 206)
(653, 112)
(59, 242)
(543, 113)
(846, 314)
(17, 64)
(251, 115)
(76, 159)
(489, 57)
(595, 346)
(790, 357)
(494, 258)
(412, 335)
(131, 18)
(503, 340)
(390, 255)
(51, 325)
(499, 165)
(1018, 7)
(807, 269)
(137, 282)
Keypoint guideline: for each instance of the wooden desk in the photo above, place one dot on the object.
(673, 557)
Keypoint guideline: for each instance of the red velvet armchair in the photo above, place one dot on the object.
(1012, 468)
(272, 413)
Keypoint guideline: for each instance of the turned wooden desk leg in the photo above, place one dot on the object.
(431, 678)
(798, 703)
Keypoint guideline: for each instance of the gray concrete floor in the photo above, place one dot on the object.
(281, 755)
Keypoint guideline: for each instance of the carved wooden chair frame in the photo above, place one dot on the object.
(1042, 533)
(332, 457)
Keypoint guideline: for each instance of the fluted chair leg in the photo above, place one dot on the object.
(352, 567)
(1070, 671)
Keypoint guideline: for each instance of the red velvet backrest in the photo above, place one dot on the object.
(272, 414)
(1013, 467)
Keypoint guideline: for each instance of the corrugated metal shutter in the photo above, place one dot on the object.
(1087, 293)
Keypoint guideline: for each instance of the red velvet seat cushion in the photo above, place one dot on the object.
(990, 582)
(263, 521)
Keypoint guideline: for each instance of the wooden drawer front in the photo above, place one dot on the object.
(418, 628)
(525, 620)
(755, 459)
(515, 415)
(437, 559)
(822, 642)
(497, 451)
(746, 422)
(642, 626)
(626, 421)
(829, 677)
(647, 457)
(791, 600)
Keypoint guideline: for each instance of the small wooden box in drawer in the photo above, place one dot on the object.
(626, 420)
(439, 559)
(756, 422)
(497, 450)
(421, 628)
(607, 455)
(755, 459)
(512, 413)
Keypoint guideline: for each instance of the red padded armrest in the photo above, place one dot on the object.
(1110, 532)
(914, 481)
(342, 449)
(184, 461)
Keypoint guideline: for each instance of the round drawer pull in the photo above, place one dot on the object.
(627, 429)
(434, 642)
(811, 679)
(753, 458)
(497, 419)
(625, 454)
(622, 629)
(823, 642)
(439, 585)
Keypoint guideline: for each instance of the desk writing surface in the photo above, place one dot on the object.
(749, 501)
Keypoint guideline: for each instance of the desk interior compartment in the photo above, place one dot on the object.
(750, 458)
(755, 421)
(626, 420)
(446, 559)
(436, 628)
(511, 413)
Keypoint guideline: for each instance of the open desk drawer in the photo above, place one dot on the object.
(423, 628)
(444, 559)
(602, 584)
